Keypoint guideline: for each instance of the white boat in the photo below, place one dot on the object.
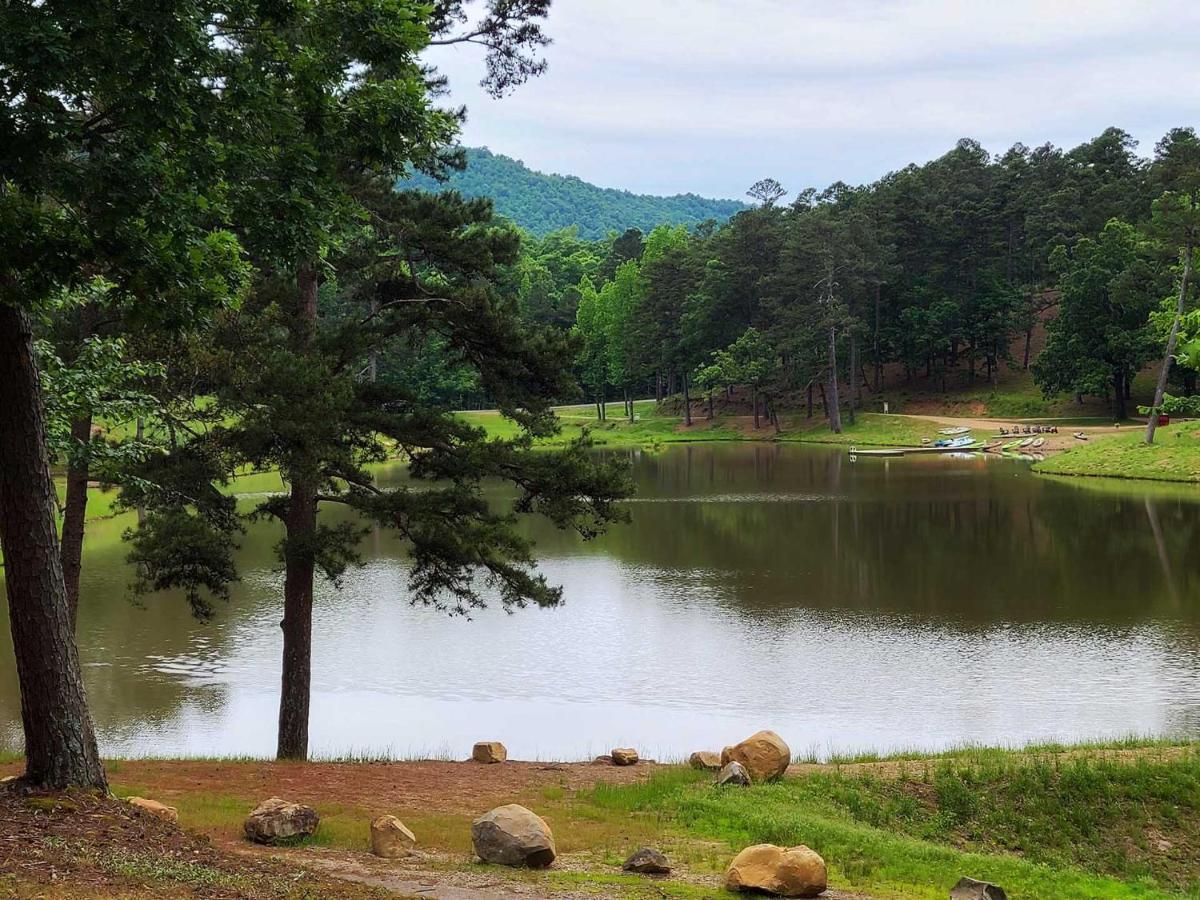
(953, 431)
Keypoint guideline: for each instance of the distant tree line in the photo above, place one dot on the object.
(937, 269)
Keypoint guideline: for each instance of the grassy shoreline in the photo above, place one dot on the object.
(1114, 819)
(1174, 456)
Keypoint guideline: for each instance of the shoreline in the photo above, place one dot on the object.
(1043, 821)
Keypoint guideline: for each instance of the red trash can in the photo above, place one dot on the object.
(1164, 419)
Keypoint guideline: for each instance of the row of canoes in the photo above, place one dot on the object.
(1021, 444)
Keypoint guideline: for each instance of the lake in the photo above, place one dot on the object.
(882, 604)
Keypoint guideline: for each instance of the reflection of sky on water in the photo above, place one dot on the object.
(858, 609)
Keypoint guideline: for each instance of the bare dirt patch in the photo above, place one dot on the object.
(449, 787)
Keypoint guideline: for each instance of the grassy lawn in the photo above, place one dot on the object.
(1174, 456)
(1041, 826)
(869, 429)
(650, 429)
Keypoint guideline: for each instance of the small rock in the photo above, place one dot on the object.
(513, 836)
(733, 773)
(782, 872)
(154, 808)
(970, 889)
(705, 759)
(489, 752)
(604, 760)
(391, 839)
(276, 819)
(624, 756)
(764, 754)
(648, 861)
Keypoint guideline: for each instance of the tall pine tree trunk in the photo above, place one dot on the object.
(297, 625)
(687, 402)
(878, 357)
(75, 515)
(60, 742)
(831, 405)
(853, 375)
(301, 524)
(1161, 388)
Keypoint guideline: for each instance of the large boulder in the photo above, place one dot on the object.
(275, 820)
(733, 774)
(765, 755)
(154, 808)
(513, 836)
(780, 871)
(624, 756)
(391, 839)
(970, 889)
(648, 861)
(489, 752)
(705, 759)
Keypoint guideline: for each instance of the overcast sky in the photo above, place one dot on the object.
(670, 96)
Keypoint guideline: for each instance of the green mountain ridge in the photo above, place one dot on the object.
(541, 202)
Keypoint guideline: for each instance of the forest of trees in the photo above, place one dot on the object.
(202, 237)
(541, 203)
(940, 269)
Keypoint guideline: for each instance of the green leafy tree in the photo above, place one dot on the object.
(109, 166)
(1101, 336)
(591, 334)
(1175, 222)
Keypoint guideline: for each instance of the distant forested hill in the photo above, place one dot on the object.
(543, 203)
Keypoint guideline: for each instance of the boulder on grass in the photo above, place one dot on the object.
(391, 839)
(624, 756)
(970, 889)
(489, 752)
(154, 808)
(648, 861)
(733, 774)
(513, 836)
(764, 754)
(275, 820)
(779, 871)
(705, 759)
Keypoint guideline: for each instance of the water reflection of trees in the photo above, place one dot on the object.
(978, 542)
(758, 529)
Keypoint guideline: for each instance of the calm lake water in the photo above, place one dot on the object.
(882, 604)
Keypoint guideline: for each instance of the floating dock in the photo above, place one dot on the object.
(903, 451)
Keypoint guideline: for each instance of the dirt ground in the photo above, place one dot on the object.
(448, 787)
(989, 430)
(84, 846)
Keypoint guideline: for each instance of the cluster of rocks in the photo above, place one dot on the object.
(512, 835)
(764, 756)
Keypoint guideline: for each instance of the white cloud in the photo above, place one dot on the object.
(709, 95)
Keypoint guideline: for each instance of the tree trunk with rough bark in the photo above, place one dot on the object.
(60, 742)
(297, 625)
(1161, 388)
(687, 402)
(300, 523)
